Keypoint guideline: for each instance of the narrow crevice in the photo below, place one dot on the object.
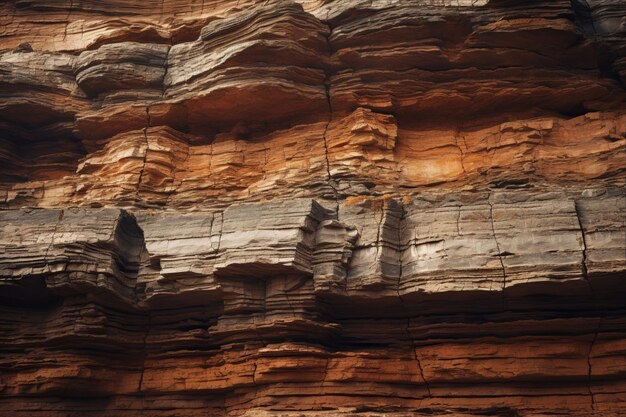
(456, 141)
(416, 356)
(145, 160)
(327, 88)
(219, 238)
(166, 68)
(400, 252)
(583, 263)
(67, 18)
(255, 359)
(589, 369)
(148, 117)
(254, 367)
(54, 232)
(407, 329)
(325, 372)
(493, 231)
(175, 186)
(261, 339)
(378, 230)
(291, 307)
(145, 154)
(145, 354)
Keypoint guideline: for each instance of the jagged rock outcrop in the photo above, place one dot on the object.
(312, 208)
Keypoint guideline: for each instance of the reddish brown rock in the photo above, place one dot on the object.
(312, 208)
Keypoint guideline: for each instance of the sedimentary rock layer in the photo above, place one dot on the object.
(313, 208)
(507, 303)
(346, 99)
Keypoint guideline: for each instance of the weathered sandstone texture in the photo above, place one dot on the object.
(363, 208)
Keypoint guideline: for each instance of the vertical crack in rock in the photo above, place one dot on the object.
(406, 312)
(148, 117)
(416, 356)
(145, 154)
(166, 69)
(400, 251)
(54, 232)
(378, 229)
(589, 370)
(493, 231)
(175, 186)
(260, 338)
(400, 261)
(456, 141)
(219, 238)
(289, 303)
(143, 164)
(145, 352)
(433, 104)
(254, 368)
(325, 376)
(583, 263)
(67, 18)
(254, 378)
(327, 87)
(458, 221)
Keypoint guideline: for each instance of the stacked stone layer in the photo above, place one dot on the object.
(314, 208)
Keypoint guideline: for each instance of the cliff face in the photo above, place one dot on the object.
(324, 208)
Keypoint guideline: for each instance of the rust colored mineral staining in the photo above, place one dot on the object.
(315, 208)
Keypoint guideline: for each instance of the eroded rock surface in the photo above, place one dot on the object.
(312, 208)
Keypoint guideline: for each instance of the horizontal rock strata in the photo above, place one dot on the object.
(508, 301)
(312, 208)
(402, 96)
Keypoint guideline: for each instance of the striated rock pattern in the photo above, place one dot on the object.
(317, 208)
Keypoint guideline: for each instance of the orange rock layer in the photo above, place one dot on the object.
(312, 208)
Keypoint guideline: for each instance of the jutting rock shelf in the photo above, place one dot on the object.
(319, 208)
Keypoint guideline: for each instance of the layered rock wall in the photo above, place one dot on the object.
(314, 208)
